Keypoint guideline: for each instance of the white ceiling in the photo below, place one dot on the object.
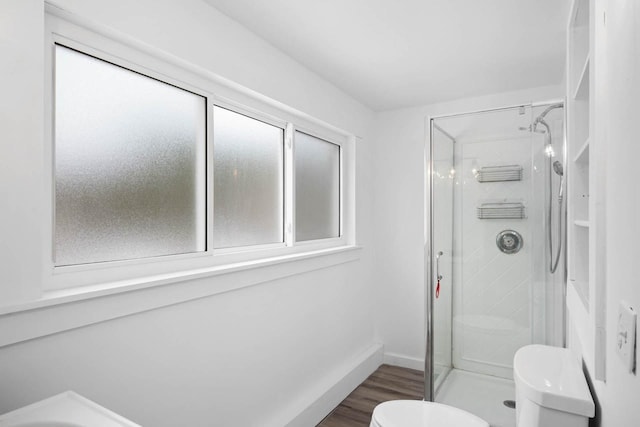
(398, 53)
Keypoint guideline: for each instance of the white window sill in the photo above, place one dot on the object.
(67, 309)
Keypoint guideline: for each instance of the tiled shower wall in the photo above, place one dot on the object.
(492, 310)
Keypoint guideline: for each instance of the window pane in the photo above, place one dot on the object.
(317, 188)
(129, 164)
(248, 173)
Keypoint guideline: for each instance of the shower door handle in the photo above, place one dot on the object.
(438, 255)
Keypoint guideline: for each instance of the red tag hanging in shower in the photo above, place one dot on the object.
(438, 289)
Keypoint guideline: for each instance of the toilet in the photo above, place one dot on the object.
(551, 390)
(416, 413)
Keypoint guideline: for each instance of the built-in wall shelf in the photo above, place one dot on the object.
(579, 114)
(581, 223)
(581, 91)
(582, 156)
(585, 141)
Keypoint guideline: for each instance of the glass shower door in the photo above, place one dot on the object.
(490, 288)
(442, 184)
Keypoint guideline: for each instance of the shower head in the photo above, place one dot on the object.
(557, 168)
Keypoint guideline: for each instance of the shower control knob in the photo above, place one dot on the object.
(509, 241)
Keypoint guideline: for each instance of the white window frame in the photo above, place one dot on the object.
(328, 240)
(273, 121)
(116, 61)
(105, 44)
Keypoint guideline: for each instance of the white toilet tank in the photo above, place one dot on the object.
(551, 390)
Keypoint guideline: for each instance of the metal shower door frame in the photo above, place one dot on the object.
(429, 225)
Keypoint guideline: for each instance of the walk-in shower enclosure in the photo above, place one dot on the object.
(489, 287)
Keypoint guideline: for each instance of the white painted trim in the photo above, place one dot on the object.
(335, 389)
(66, 309)
(404, 361)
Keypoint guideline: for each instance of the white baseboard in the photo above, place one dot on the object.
(335, 389)
(404, 361)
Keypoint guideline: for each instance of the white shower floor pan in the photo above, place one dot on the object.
(482, 395)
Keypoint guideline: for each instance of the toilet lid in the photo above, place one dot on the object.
(416, 413)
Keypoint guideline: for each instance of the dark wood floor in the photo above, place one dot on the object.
(387, 383)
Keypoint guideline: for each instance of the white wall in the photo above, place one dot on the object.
(21, 112)
(256, 356)
(493, 290)
(618, 397)
(399, 139)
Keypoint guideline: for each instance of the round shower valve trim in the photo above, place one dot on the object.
(509, 241)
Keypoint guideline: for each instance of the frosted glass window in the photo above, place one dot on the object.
(249, 180)
(130, 164)
(317, 164)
